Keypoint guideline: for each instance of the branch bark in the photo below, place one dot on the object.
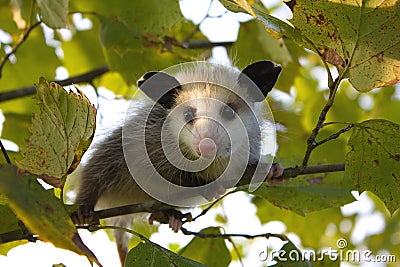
(155, 206)
(31, 90)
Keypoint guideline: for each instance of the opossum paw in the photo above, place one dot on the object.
(84, 215)
(274, 173)
(174, 218)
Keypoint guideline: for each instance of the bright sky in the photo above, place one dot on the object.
(238, 209)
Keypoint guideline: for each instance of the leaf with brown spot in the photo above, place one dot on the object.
(364, 34)
(61, 132)
(373, 160)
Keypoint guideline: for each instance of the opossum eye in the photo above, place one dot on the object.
(228, 113)
(189, 114)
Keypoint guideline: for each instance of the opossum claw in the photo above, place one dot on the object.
(173, 217)
(84, 215)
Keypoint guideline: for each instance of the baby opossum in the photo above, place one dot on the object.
(206, 112)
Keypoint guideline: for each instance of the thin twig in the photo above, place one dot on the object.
(335, 135)
(31, 90)
(203, 212)
(3, 149)
(227, 236)
(21, 40)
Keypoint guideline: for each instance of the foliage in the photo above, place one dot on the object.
(354, 43)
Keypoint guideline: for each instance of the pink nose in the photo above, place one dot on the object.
(207, 147)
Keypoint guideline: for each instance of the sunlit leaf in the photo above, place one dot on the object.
(42, 213)
(304, 196)
(290, 255)
(361, 35)
(209, 251)
(60, 133)
(150, 254)
(9, 221)
(22, 11)
(53, 12)
(318, 221)
(373, 160)
(239, 6)
(252, 34)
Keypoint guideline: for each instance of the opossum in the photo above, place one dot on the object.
(205, 114)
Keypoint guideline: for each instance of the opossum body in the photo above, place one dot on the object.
(199, 110)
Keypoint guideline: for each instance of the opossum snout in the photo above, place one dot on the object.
(207, 148)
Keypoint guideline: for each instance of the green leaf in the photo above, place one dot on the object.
(23, 10)
(129, 39)
(373, 160)
(6, 247)
(114, 82)
(289, 255)
(9, 221)
(362, 36)
(6, 18)
(53, 12)
(304, 196)
(273, 25)
(42, 213)
(301, 225)
(60, 133)
(252, 34)
(153, 255)
(209, 251)
(238, 6)
(83, 52)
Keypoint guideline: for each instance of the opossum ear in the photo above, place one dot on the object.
(264, 74)
(160, 87)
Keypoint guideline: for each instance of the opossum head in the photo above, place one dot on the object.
(212, 110)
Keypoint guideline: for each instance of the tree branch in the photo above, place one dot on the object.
(204, 44)
(293, 172)
(30, 90)
(150, 207)
(21, 40)
(155, 206)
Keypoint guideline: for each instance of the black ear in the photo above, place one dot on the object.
(160, 87)
(264, 74)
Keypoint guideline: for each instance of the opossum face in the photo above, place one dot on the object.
(212, 111)
(211, 121)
